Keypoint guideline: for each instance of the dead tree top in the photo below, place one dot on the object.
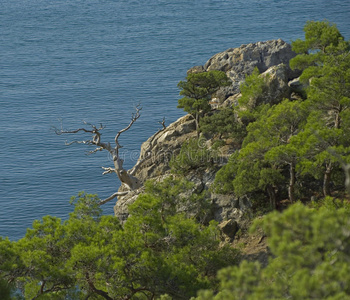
(125, 176)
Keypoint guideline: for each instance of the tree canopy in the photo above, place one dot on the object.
(289, 143)
(91, 256)
(198, 89)
(310, 258)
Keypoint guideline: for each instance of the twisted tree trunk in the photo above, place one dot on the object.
(125, 176)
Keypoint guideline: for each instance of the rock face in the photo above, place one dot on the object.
(162, 146)
(272, 60)
(239, 62)
(277, 87)
(156, 153)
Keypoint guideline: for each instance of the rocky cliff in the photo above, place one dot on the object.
(240, 62)
(272, 60)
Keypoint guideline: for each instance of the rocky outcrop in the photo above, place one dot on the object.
(229, 228)
(155, 155)
(238, 62)
(158, 150)
(241, 61)
(297, 88)
(277, 87)
(276, 79)
(272, 60)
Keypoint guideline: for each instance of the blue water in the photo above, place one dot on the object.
(65, 61)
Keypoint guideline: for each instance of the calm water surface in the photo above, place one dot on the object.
(68, 61)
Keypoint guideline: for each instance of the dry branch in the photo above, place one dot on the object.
(113, 196)
(126, 177)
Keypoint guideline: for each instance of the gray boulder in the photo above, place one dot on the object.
(277, 88)
(240, 62)
(229, 228)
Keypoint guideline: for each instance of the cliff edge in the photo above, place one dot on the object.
(272, 59)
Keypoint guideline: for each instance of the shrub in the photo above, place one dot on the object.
(194, 154)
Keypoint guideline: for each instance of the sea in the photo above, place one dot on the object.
(66, 62)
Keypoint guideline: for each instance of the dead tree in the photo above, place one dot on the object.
(126, 177)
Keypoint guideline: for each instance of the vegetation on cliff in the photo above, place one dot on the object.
(310, 258)
(296, 149)
(91, 256)
(197, 89)
(290, 149)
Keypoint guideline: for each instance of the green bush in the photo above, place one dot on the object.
(252, 101)
(198, 89)
(194, 154)
(158, 251)
(223, 123)
(310, 259)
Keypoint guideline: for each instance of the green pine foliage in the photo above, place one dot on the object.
(267, 150)
(6, 289)
(198, 89)
(321, 40)
(224, 177)
(223, 123)
(193, 155)
(310, 258)
(326, 142)
(252, 103)
(159, 250)
(295, 146)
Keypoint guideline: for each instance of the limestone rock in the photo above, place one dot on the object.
(244, 204)
(231, 101)
(121, 207)
(277, 87)
(225, 207)
(158, 150)
(239, 62)
(297, 88)
(155, 155)
(229, 228)
(196, 69)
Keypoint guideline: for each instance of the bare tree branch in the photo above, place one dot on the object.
(108, 170)
(96, 137)
(163, 123)
(134, 117)
(126, 177)
(113, 196)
